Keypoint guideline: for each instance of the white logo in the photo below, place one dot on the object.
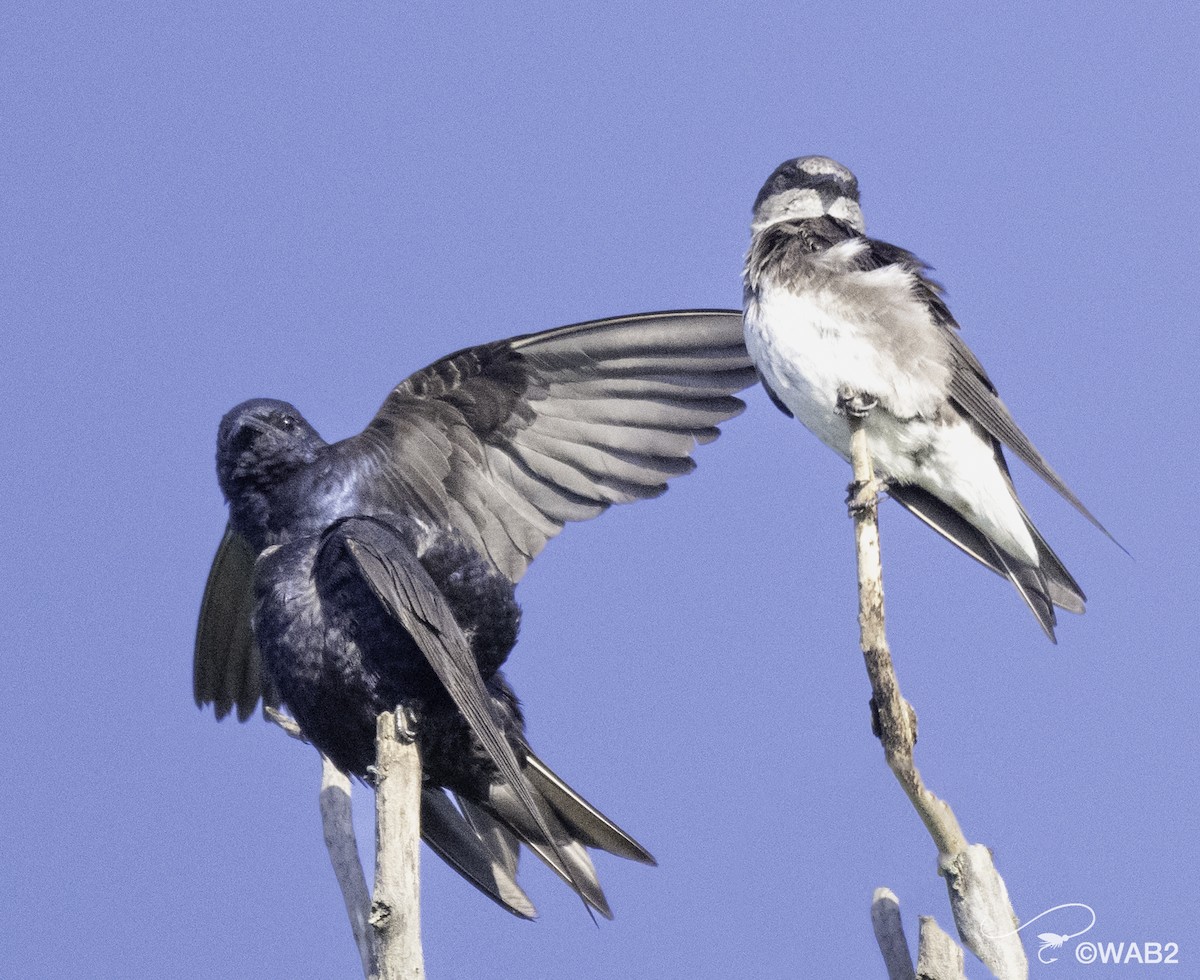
(1053, 940)
(1112, 953)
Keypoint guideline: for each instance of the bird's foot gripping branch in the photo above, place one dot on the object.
(861, 494)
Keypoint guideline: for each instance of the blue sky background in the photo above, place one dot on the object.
(204, 203)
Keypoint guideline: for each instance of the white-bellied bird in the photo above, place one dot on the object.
(829, 311)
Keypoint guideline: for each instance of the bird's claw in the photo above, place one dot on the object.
(406, 723)
(857, 404)
(863, 496)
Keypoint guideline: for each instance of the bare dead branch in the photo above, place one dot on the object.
(396, 909)
(286, 722)
(337, 825)
(938, 956)
(889, 934)
(978, 897)
(983, 913)
(337, 822)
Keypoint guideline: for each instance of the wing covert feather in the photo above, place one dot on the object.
(510, 440)
(970, 386)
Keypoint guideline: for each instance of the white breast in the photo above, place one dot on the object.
(865, 331)
(795, 345)
(811, 342)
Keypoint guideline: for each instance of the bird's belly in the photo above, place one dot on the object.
(315, 659)
(807, 350)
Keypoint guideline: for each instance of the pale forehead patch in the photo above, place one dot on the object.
(789, 205)
(819, 166)
(798, 203)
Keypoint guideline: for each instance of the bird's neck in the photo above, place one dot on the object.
(791, 252)
(297, 501)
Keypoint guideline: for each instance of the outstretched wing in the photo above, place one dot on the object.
(510, 440)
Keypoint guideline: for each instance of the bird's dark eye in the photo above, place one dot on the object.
(287, 423)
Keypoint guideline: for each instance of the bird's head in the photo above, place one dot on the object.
(259, 444)
(808, 187)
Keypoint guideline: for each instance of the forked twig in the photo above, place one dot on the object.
(386, 931)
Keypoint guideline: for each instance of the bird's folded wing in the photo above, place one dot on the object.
(510, 440)
(408, 594)
(226, 670)
(970, 385)
(974, 393)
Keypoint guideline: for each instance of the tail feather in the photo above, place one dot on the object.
(565, 855)
(1031, 586)
(577, 871)
(1064, 590)
(504, 845)
(456, 842)
(1041, 587)
(499, 824)
(588, 824)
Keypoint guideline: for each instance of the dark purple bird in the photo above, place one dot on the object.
(379, 571)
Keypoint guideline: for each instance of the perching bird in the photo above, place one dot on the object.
(379, 571)
(828, 309)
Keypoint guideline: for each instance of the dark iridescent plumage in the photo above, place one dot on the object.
(380, 570)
